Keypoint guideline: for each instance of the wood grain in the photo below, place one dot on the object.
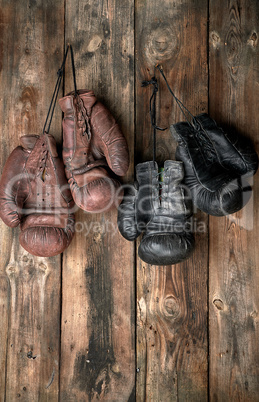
(31, 51)
(234, 273)
(98, 319)
(116, 45)
(172, 301)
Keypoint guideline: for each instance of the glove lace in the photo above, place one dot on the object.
(82, 117)
(193, 123)
(152, 111)
(160, 185)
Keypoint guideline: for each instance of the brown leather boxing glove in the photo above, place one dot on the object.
(34, 193)
(94, 149)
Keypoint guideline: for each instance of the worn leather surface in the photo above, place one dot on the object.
(168, 238)
(162, 211)
(94, 151)
(216, 165)
(35, 194)
(137, 207)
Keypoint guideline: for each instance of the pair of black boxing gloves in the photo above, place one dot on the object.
(211, 173)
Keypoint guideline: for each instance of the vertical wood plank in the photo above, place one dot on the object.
(172, 301)
(98, 320)
(4, 306)
(31, 51)
(234, 265)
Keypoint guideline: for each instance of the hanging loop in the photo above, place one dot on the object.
(193, 123)
(152, 111)
(60, 73)
(55, 94)
(73, 69)
(152, 102)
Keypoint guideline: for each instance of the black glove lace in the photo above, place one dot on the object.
(193, 123)
(152, 111)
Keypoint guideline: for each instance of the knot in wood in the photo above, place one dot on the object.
(171, 307)
(43, 268)
(253, 39)
(94, 43)
(218, 304)
(215, 39)
(11, 269)
(161, 44)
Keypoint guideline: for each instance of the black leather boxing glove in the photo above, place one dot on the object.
(136, 208)
(161, 211)
(234, 151)
(168, 238)
(215, 165)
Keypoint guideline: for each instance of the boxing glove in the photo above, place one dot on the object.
(94, 151)
(137, 206)
(160, 209)
(168, 238)
(34, 193)
(235, 152)
(214, 166)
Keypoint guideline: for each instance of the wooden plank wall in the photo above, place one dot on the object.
(31, 49)
(234, 268)
(97, 323)
(171, 301)
(98, 340)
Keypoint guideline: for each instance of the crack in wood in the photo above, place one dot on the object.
(51, 379)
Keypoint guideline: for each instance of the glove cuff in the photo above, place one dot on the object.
(45, 220)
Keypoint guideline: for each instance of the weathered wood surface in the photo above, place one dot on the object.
(98, 320)
(171, 301)
(234, 265)
(31, 51)
(94, 358)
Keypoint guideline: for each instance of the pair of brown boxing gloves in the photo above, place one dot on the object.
(39, 192)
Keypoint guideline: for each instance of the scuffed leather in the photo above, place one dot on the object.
(34, 193)
(163, 215)
(127, 219)
(94, 149)
(168, 239)
(137, 207)
(216, 165)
